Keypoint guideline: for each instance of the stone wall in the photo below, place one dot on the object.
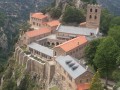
(31, 65)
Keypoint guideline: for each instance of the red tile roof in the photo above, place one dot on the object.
(38, 15)
(53, 23)
(73, 43)
(84, 86)
(37, 32)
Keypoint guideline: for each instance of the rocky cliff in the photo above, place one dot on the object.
(16, 12)
(3, 40)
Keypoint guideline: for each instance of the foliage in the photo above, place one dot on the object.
(9, 84)
(117, 86)
(106, 18)
(115, 21)
(26, 83)
(55, 13)
(2, 19)
(106, 56)
(116, 75)
(54, 88)
(73, 15)
(115, 34)
(90, 51)
(90, 1)
(24, 27)
(96, 82)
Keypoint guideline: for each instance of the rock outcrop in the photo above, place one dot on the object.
(3, 40)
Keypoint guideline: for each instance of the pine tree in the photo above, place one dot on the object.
(96, 83)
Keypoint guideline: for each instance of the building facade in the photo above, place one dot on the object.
(93, 16)
(70, 73)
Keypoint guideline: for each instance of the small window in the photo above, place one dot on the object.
(95, 10)
(57, 43)
(63, 78)
(87, 80)
(95, 17)
(90, 16)
(91, 34)
(55, 54)
(80, 81)
(69, 85)
(37, 24)
(33, 23)
(91, 10)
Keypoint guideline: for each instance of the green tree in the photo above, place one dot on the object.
(90, 51)
(116, 75)
(117, 85)
(90, 1)
(2, 19)
(115, 34)
(106, 57)
(96, 82)
(26, 83)
(73, 15)
(115, 21)
(24, 27)
(106, 18)
(55, 13)
(9, 84)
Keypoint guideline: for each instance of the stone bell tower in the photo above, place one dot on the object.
(93, 16)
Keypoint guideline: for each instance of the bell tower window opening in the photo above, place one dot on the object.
(91, 10)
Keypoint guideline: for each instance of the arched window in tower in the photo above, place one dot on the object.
(95, 17)
(91, 10)
(96, 10)
(90, 16)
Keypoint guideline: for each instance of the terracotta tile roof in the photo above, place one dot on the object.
(37, 32)
(84, 86)
(53, 23)
(38, 15)
(73, 43)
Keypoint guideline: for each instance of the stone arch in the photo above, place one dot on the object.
(57, 43)
(53, 44)
(48, 43)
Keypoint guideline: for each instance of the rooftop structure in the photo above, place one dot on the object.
(78, 30)
(37, 32)
(53, 23)
(73, 43)
(42, 49)
(71, 66)
(38, 15)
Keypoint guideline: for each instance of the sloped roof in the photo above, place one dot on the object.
(37, 32)
(42, 49)
(38, 15)
(73, 43)
(53, 23)
(77, 30)
(63, 61)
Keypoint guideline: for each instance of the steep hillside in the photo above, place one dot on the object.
(15, 12)
(112, 5)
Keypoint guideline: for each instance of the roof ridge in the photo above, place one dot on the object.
(70, 40)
